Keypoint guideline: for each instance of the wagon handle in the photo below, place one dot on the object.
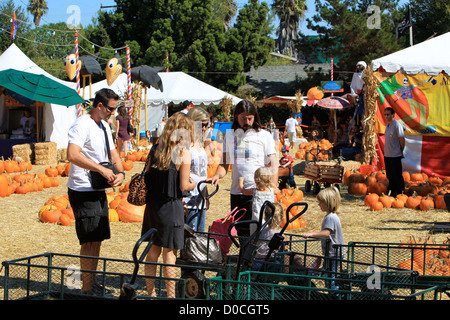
(296, 216)
(148, 236)
(203, 198)
(259, 224)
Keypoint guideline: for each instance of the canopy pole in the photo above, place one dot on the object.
(146, 122)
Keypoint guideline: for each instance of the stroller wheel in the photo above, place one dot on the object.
(195, 285)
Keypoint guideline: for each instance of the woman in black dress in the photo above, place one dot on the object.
(167, 177)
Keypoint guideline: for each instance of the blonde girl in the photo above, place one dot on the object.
(329, 202)
(167, 177)
(261, 193)
(195, 215)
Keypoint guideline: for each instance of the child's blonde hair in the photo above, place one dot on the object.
(331, 198)
(263, 177)
(277, 215)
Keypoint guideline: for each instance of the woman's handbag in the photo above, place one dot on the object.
(137, 194)
(219, 228)
(200, 247)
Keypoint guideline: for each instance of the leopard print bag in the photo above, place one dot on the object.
(137, 188)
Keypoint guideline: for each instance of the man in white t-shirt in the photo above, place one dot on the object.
(246, 148)
(87, 148)
(291, 129)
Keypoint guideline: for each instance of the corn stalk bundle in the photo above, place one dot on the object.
(136, 96)
(226, 104)
(296, 105)
(369, 141)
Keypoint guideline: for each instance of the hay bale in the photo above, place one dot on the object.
(22, 151)
(45, 153)
(62, 154)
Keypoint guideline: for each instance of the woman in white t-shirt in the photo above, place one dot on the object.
(246, 148)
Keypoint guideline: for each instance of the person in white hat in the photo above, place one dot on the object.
(357, 88)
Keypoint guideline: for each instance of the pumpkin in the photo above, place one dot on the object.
(397, 204)
(65, 220)
(402, 197)
(376, 206)
(51, 172)
(439, 202)
(406, 176)
(386, 200)
(409, 265)
(359, 188)
(127, 165)
(378, 188)
(46, 207)
(413, 202)
(68, 211)
(315, 93)
(356, 177)
(370, 199)
(51, 215)
(426, 203)
(417, 176)
(130, 213)
(113, 215)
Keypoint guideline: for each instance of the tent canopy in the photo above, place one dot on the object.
(56, 119)
(178, 87)
(430, 57)
(38, 87)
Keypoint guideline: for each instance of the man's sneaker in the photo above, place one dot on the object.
(99, 291)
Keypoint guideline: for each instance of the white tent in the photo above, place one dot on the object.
(422, 102)
(430, 57)
(56, 119)
(177, 87)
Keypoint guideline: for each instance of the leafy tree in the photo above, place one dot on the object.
(250, 35)
(290, 12)
(8, 8)
(37, 8)
(345, 35)
(429, 18)
(189, 35)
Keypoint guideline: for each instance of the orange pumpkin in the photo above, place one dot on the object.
(376, 206)
(426, 204)
(370, 199)
(130, 213)
(358, 188)
(65, 220)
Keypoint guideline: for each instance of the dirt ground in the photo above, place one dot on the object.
(22, 234)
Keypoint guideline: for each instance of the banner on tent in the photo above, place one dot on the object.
(421, 103)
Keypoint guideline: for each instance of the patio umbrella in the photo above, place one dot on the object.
(38, 87)
(334, 103)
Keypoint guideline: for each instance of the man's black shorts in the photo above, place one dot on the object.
(91, 215)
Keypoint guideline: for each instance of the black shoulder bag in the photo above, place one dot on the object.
(97, 180)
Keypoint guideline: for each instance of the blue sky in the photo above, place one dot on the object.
(89, 8)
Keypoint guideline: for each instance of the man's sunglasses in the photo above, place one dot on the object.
(111, 109)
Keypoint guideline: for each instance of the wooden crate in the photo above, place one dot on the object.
(324, 173)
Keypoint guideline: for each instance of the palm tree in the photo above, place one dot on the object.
(37, 8)
(290, 12)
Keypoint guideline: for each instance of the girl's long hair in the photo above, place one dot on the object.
(177, 135)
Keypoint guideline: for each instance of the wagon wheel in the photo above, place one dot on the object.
(307, 186)
(316, 188)
(195, 285)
